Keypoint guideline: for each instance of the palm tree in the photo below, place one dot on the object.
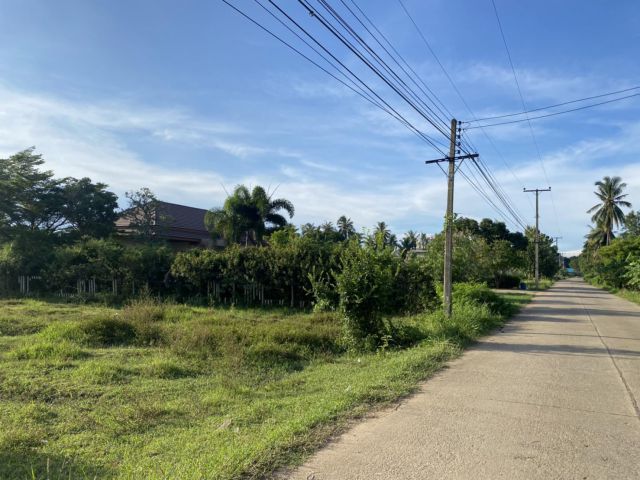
(248, 215)
(383, 232)
(393, 241)
(608, 213)
(410, 239)
(597, 237)
(423, 241)
(345, 227)
(409, 242)
(308, 229)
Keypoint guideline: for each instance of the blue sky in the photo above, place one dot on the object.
(189, 99)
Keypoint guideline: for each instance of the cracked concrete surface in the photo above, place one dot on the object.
(554, 395)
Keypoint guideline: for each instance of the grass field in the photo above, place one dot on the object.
(167, 391)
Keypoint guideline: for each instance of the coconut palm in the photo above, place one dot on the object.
(308, 229)
(345, 227)
(597, 236)
(383, 232)
(248, 215)
(410, 239)
(423, 241)
(608, 213)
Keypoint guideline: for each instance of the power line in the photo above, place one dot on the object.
(449, 114)
(395, 78)
(551, 114)
(524, 108)
(394, 113)
(361, 92)
(549, 107)
(370, 58)
(317, 15)
(476, 186)
(489, 178)
(402, 63)
(458, 92)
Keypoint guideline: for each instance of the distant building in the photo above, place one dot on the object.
(181, 226)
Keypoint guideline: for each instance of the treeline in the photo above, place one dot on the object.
(607, 259)
(58, 235)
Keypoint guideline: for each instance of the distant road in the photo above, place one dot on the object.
(553, 396)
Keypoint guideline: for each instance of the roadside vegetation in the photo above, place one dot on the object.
(124, 358)
(159, 390)
(610, 257)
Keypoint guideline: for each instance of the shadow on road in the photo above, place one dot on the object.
(558, 349)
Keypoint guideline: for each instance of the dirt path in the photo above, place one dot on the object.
(553, 396)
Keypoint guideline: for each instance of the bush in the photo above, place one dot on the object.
(365, 285)
(108, 332)
(505, 280)
(479, 294)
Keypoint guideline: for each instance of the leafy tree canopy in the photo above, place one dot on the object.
(33, 200)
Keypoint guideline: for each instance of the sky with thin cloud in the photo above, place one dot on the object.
(190, 99)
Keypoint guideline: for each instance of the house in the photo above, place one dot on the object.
(181, 226)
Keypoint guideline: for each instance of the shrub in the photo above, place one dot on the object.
(365, 285)
(108, 331)
(479, 294)
(325, 296)
(505, 280)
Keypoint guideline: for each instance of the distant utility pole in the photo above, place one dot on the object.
(537, 239)
(560, 263)
(454, 154)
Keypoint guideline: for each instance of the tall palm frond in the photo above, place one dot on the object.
(345, 227)
(607, 214)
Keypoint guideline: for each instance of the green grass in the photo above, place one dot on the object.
(631, 295)
(543, 284)
(168, 391)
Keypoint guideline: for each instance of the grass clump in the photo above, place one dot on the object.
(47, 349)
(107, 332)
(145, 314)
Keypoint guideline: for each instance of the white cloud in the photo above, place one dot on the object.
(81, 139)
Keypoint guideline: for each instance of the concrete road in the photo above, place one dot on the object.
(553, 396)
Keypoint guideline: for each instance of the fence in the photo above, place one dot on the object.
(217, 292)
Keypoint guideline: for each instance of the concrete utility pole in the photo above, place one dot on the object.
(537, 238)
(448, 222)
(448, 225)
(560, 262)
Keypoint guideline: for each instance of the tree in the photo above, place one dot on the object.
(144, 214)
(598, 237)
(345, 227)
(548, 254)
(90, 209)
(247, 216)
(408, 242)
(31, 199)
(632, 223)
(423, 241)
(467, 226)
(382, 230)
(503, 260)
(608, 213)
